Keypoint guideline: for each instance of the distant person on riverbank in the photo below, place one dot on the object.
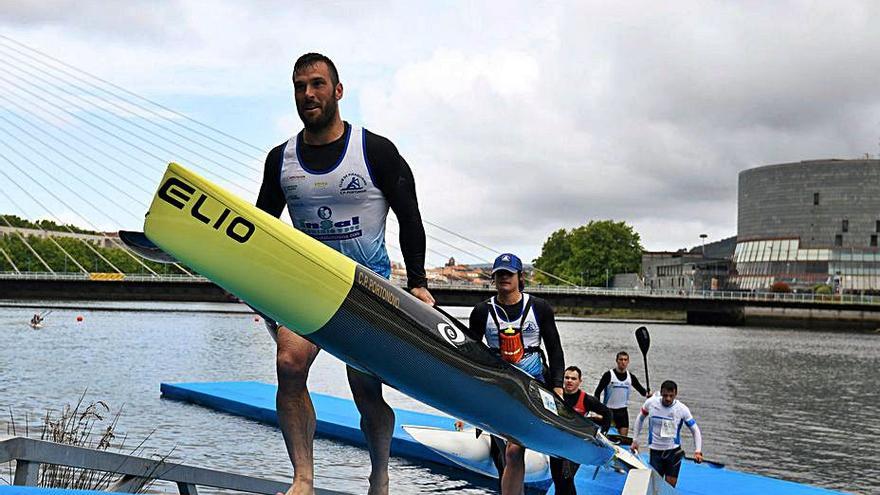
(514, 324)
(667, 415)
(616, 385)
(333, 173)
(563, 470)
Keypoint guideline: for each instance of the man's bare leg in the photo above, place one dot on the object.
(623, 431)
(514, 470)
(296, 414)
(377, 423)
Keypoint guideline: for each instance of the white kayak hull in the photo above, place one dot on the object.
(467, 450)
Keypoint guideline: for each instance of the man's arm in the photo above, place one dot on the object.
(638, 386)
(596, 406)
(477, 322)
(550, 337)
(643, 414)
(698, 436)
(393, 176)
(271, 197)
(603, 382)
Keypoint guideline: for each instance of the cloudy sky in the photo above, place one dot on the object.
(518, 118)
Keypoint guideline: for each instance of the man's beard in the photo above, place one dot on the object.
(323, 120)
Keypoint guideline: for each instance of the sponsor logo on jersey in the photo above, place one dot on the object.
(352, 184)
(328, 229)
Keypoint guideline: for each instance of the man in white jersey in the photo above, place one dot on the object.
(666, 416)
(616, 385)
(338, 182)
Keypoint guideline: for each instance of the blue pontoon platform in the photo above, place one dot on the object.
(338, 418)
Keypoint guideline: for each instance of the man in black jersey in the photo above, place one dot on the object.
(515, 324)
(338, 182)
(616, 390)
(563, 470)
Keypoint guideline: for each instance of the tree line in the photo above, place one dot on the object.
(591, 254)
(25, 260)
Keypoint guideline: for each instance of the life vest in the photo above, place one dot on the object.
(580, 407)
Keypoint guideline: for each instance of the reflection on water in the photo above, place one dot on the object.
(791, 404)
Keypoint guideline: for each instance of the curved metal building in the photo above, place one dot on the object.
(809, 223)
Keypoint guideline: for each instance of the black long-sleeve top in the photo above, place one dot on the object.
(546, 325)
(606, 379)
(390, 173)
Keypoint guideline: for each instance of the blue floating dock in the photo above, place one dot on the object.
(339, 419)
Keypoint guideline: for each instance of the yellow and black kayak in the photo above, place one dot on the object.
(358, 316)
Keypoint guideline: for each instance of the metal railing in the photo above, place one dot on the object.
(725, 295)
(130, 277)
(29, 454)
(800, 297)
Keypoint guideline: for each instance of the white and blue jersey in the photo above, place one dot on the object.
(531, 363)
(617, 392)
(665, 423)
(342, 206)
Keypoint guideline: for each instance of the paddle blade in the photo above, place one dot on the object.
(644, 339)
(712, 464)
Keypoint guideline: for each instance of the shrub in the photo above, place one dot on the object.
(780, 286)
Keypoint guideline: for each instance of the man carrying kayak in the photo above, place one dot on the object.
(338, 182)
(514, 324)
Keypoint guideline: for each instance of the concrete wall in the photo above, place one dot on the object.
(776, 201)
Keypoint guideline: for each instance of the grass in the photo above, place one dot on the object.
(90, 426)
(622, 313)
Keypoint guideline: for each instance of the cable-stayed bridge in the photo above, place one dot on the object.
(77, 149)
(83, 155)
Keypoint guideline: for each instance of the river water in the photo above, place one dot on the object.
(793, 404)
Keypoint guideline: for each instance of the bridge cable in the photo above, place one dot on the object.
(139, 97)
(124, 140)
(6, 255)
(96, 229)
(128, 110)
(74, 137)
(27, 244)
(71, 160)
(46, 233)
(130, 121)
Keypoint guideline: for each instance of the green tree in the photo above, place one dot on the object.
(590, 254)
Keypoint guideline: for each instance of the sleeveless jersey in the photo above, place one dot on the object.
(531, 363)
(341, 206)
(617, 392)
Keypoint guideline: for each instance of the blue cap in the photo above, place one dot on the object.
(507, 262)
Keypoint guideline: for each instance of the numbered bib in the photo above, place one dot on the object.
(667, 428)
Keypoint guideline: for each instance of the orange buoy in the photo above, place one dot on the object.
(79, 318)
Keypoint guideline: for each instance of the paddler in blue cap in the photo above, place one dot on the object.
(515, 324)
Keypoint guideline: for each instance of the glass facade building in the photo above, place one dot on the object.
(807, 224)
